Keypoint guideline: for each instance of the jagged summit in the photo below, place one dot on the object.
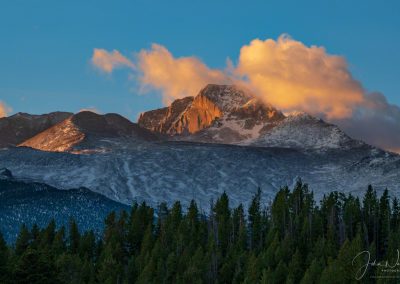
(215, 106)
(21, 126)
(86, 128)
(229, 114)
(226, 97)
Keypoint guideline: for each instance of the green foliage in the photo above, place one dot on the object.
(291, 240)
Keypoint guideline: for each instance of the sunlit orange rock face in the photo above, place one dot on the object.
(201, 113)
(163, 120)
(187, 115)
(213, 103)
(190, 115)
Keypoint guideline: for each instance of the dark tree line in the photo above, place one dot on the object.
(291, 240)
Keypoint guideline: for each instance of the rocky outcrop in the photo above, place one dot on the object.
(164, 120)
(199, 115)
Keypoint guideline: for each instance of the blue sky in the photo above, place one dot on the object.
(46, 46)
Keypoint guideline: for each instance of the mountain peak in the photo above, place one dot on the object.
(226, 97)
(192, 114)
(21, 126)
(84, 130)
(229, 114)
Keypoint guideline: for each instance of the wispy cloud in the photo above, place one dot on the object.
(108, 61)
(284, 72)
(4, 109)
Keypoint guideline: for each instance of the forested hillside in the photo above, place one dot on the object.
(291, 240)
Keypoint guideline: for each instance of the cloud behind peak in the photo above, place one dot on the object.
(283, 72)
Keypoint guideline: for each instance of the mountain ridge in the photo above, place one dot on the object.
(228, 114)
(80, 130)
(222, 114)
(19, 127)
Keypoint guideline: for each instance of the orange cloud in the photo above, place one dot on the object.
(4, 109)
(175, 77)
(292, 76)
(284, 72)
(108, 61)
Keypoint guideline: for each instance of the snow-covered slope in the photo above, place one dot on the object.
(169, 171)
(86, 131)
(21, 126)
(304, 131)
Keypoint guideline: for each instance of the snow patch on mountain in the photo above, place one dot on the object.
(168, 171)
(301, 130)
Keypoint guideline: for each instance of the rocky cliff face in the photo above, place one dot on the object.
(199, 115)
(163, 120)
(21, 126)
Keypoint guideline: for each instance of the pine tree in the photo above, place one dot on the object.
(384, 224)
(255, 221)
(34, 268)
(23, 240)
(49, 234)
(110, 270)
(69, 268)
(395, 217)
(74, 237)
(280, 273)
(370, 214)
(296, 268)
(59, 246)
(4, 259)
(223, 220)
(313, 273)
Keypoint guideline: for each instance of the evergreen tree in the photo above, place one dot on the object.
(255, 221)
(292, 241)
(74, 237)
(4, 259)
(23, 240)
(34, 268)
(313, 273)
(223, 221)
